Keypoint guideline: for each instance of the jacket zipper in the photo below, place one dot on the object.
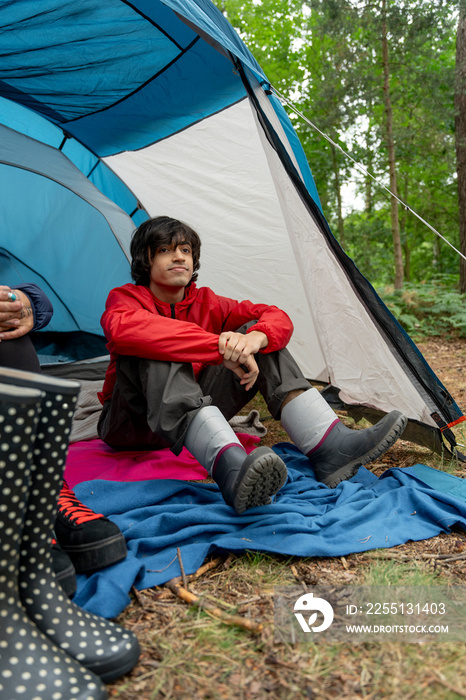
(172, 310)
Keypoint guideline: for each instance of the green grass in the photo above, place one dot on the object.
(392, 573)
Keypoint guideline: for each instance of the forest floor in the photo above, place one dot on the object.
(189, 653)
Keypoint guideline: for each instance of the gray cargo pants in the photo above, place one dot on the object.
(153, 402)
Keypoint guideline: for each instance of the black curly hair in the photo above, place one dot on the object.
(156, 232)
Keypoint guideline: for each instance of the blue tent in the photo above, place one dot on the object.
(113, 112)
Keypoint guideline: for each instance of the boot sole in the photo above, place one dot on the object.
(262, 475)
(67, 580)
(119, 664)
(351, 468)
(89, 557)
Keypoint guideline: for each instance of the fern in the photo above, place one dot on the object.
(428, 309)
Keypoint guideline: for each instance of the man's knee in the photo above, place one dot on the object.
(246, 326)
(142, 371)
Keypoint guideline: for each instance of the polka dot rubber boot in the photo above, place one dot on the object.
(31, 667)
(102, 646)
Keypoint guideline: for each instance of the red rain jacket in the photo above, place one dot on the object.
(136, 323)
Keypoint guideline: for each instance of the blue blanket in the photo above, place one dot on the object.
(307, 519)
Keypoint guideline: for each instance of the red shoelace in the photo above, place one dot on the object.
(72, 508)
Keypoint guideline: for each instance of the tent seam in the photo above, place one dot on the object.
(182, 53)
(174, 133)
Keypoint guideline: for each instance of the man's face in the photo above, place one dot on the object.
(172, 268)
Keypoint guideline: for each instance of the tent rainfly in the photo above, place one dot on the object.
(113, 112)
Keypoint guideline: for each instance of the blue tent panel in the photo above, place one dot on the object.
(72, 225)
(205, 84)
(58, 229)
(143, 74)
(52, 72)
(17, 117)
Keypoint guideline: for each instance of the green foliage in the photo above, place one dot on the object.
(270, 29)
(368, 241)
(429, 309)
(326, 57)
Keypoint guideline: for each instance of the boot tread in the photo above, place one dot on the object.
(262, 475)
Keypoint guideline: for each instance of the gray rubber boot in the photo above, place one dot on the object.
(345, 450)
(335, 451)
(100, 645)
(31, 666)
(245, 481)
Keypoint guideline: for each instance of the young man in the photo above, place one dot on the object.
(185, 360)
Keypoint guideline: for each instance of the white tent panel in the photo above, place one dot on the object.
(215, 176)
(383, 384)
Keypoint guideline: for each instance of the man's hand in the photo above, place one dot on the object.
(239, 346)
(16, 316)
(247, 378)
(238, 352)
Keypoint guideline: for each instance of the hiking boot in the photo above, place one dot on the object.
(63, 569)
(345, 450)
(246, 481)
(91, 541)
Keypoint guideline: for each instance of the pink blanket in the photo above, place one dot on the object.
(93, 459)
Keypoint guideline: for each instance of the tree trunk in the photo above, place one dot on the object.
(460, 134)
(436, 256)
(368, 185)
(368, 188)
(397, 251)
(341, 224)
(404, 231)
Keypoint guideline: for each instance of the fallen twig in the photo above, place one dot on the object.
(205, 567)
(451, 557)
(138, 596)
(217, 600)
(175, 586)
(162, 593)
(440, 679)
(158, 571)
(180, 561)
(403, 557)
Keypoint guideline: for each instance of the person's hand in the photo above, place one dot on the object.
(16, 315)
(238, 350)
(238, 347)
(247, 371)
